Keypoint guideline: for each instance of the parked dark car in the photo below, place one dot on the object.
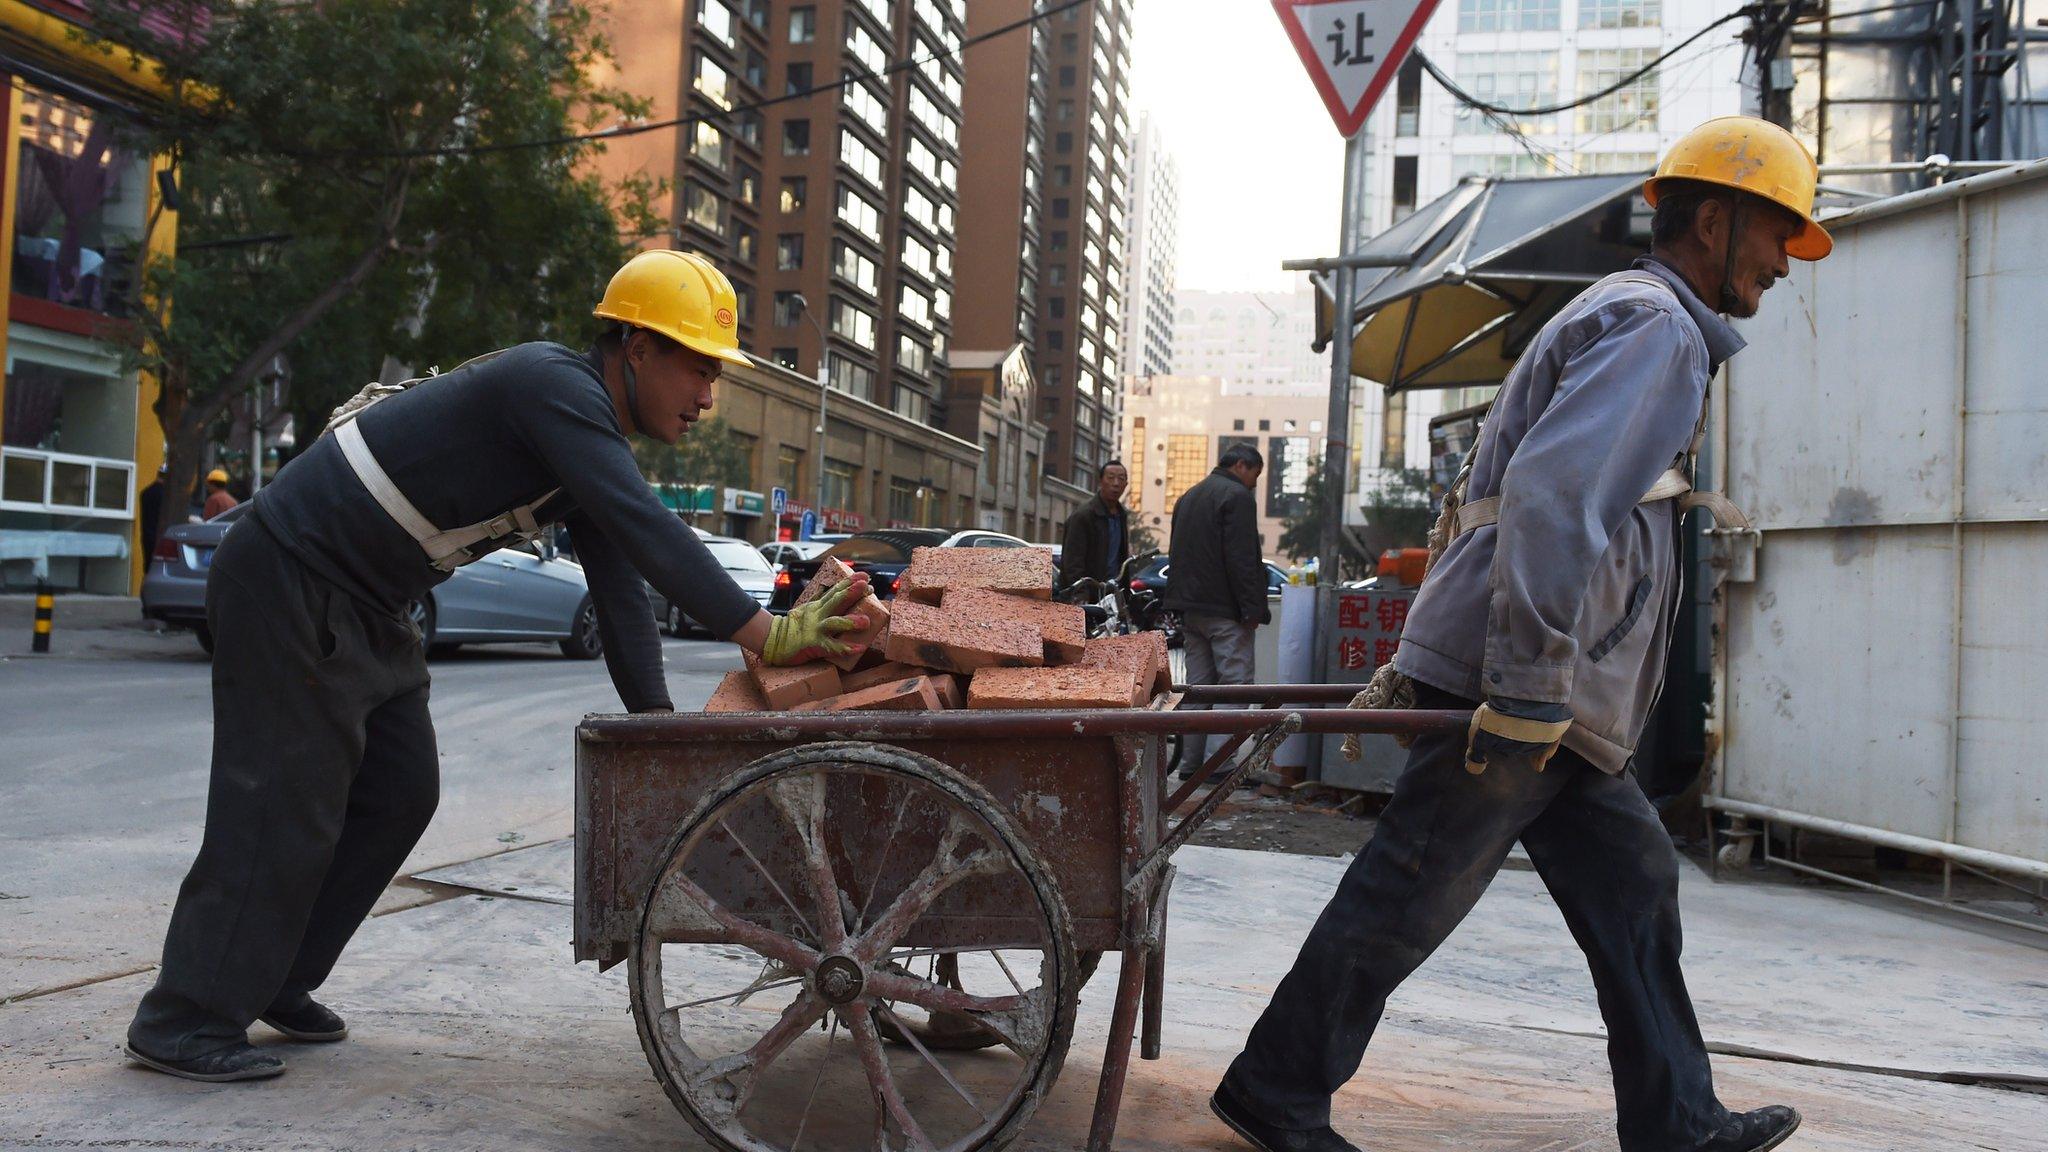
(1152, 578)
(883, 554)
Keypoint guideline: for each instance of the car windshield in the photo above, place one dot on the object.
(871, 549)
(736, 556)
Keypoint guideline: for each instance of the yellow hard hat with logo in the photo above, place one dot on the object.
(1757, 157)
(681, 295)
(217, 476)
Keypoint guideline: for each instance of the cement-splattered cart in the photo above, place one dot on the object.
(870, 930)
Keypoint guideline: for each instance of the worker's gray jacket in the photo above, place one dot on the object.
(1566, 600)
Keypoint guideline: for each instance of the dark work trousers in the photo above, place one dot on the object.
(1608, 863)
(324, 776)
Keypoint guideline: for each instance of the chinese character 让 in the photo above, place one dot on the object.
(1349, 47)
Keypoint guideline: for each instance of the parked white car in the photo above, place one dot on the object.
(741, 561)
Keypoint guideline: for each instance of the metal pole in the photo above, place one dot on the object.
(255, 439)
(824, 392)
(1337, 428)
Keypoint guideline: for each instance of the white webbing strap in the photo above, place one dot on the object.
(445, 551)
(1480, 513)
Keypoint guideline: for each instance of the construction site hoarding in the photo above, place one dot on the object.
(1882, 658)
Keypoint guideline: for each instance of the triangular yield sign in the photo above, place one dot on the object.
(1353, 48)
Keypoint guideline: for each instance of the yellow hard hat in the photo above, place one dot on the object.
(217, 476)
(681, 295)
(1758, 157)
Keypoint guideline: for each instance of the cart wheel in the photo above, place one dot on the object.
(821, 895)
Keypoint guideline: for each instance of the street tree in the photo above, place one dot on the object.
(354, 180)
(710, 454)
(1396, 515)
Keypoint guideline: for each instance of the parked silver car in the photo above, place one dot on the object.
(741, 561)
(513, 595)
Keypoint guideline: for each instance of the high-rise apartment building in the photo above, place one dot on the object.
(1531, 53)
(1046, 166)
(1151, 240)
(833, 213)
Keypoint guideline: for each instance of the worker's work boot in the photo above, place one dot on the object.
(1267, 1138)
(309, 1021)
(242, 1061)
(1754, 1131)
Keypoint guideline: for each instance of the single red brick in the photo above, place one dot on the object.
(1141, 653)
(948, 688)
(933, 638)
(935, 571)
(1063, 627)
(831, 573)
(880, 674)
(785, 688)
(1068, 687)
(916, 694)
(736, 693)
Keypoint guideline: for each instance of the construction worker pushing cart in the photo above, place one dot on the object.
(1549, 613)
(325, 772)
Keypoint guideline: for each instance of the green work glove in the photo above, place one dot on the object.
(807, 632)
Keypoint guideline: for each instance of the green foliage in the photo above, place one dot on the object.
(1397, 515)
(709, 453)
(324, 225)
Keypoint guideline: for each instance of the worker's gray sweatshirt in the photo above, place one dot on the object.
(1566, 600)
(479, 441)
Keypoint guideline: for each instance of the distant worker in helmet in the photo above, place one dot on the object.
(1549, 616)
(325, 772)
(218, 498)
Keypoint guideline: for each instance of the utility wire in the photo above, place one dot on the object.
(1471, 101)
(623, 130)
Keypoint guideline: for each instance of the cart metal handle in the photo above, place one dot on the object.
(787, 727)
(1155, 861)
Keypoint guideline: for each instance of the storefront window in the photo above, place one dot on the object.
(79, 206)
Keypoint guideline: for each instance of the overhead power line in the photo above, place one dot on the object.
(621, 131)
(1469, 100)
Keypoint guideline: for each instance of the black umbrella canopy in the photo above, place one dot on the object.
(1472, 275)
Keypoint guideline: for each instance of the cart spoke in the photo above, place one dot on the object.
(824, 1061)
(801, 800)
(875, 885)
(666, 919)
(889, 1103)
(909, 1033)
(770, 878)
(1001, 963)
(941, 874)
(1020, 1022)
(727, 1083)
(766, 981)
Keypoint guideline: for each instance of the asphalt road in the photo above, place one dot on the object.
(103, 772)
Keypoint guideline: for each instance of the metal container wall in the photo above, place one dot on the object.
(1887, 430)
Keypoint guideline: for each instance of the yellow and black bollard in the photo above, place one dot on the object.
(46, 609)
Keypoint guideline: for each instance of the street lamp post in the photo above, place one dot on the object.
(824, 392)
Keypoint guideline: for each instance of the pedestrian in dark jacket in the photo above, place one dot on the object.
(1098, 537)
(1216, 576)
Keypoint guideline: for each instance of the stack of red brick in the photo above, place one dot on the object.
(972, 627)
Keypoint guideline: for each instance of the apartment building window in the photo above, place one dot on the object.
(855, 323)
(1066, 75)
(1504, 164)
(1605, 162)
(942, 124)
(713, 82)
(803, 25)
(797, 77)
(746, 242)
(917, 256)
(707, 144)
(852, 378)
(700, 207)
(789, 252)
(902, 496)
(1394, 432)
(1408, 98)
(785, 357)
(858, 214)
(1620, 13)
(866, 49)
(796, 137)
(913, 356)
(866, 107)
(1287, 465)
(840, 476)
(911, 404)
(1056, 307)
(854, 268)
(1134, 495)
(789, 462)
(788, 312)
(1513, 79)
(1056, 340)
(1635, 104)
(791, 196)
(924, 161)
(919, 207)
(1063, 142)
(716, 19)
(749, 183)
(1057, 242)
(1507, 15)
(1404, 186)
(1187, 461)
(865, 161)
(914, 306)
(756, 69)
